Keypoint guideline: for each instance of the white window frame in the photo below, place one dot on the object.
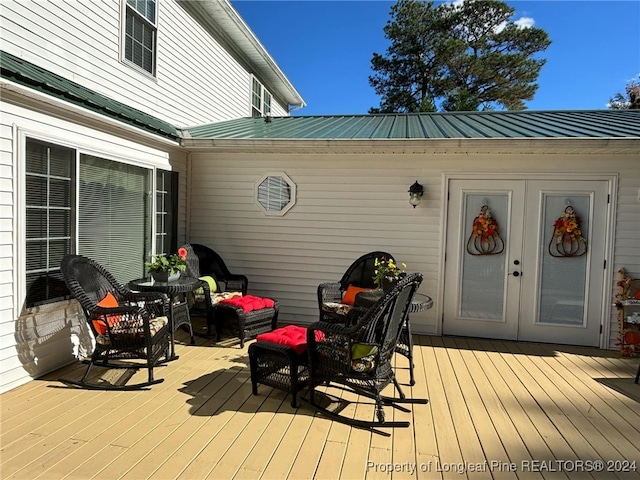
(257, 194)
(20, 207)
(261, 99)
(151, 23)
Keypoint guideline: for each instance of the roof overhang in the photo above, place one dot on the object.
(468, 146)
(43, 102)
(224, 23)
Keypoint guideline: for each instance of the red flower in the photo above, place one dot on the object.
(182, 253)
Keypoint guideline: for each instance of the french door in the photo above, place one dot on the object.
(521, 273)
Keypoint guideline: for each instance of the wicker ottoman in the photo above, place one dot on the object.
(279, 365)
(250, 323)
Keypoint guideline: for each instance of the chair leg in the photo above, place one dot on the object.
(397, 385)
(637, 375)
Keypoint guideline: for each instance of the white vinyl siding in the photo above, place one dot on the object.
(351, 203)
(81, 41)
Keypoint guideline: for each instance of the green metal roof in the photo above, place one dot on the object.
(26, 73)
(450, 125)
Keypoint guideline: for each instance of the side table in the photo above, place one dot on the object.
(419, 302)
(176, 290)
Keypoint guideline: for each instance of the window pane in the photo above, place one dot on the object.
(36, 222)
(36, 255)
(483, 275)
(266, 110)
(146, 8)
(36, 190)
(114, 216)
(166, 212)
(45, 287)
(60, 223)
(256, 94)
(59, 192)
(563, 287)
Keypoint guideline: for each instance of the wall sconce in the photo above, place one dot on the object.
(415, 194)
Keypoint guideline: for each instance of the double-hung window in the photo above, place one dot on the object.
(97, 207)
(140, 34)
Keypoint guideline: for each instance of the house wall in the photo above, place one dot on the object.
(354, 200)
(197, 80)
(39, 340)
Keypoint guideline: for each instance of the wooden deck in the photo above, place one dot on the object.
(496, 410)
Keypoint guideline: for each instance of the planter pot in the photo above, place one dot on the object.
(165, 276)
(388, 283)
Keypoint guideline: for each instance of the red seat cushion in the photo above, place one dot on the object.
(249, 303)
(292, 336)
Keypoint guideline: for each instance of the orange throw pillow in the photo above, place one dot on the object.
(349, 296)
(109, 301)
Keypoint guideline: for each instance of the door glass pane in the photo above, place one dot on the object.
(563, 280)
(483, 276)
(114, 216)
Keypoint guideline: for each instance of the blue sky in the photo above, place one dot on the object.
(325, 49)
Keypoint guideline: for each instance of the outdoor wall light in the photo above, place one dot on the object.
(415, 194)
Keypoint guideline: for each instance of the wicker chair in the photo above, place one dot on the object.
(128, 326)
(359, 274)
(202, 261)
(358, 357)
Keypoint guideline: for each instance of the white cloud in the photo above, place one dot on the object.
(525, 22)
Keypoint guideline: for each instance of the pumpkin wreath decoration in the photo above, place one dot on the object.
(567, 239)
(485, 238)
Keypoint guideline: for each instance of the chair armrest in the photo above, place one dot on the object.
(329, 292)
(156, 303)
(236, 282)
(330, 328)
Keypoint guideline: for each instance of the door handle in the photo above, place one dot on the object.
(516, 273)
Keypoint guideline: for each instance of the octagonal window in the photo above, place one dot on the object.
(275, 193)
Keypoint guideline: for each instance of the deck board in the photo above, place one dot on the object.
(501, 404)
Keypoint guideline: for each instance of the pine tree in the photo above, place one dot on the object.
(468, 56)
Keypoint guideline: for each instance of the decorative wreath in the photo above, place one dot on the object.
(567, 239)
(484, 238)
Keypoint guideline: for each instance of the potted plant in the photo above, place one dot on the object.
(167, 268)
(387, 273)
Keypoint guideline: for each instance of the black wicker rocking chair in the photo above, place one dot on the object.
(358, 357)
(203, 261)
(128, 326)
(359, 274)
